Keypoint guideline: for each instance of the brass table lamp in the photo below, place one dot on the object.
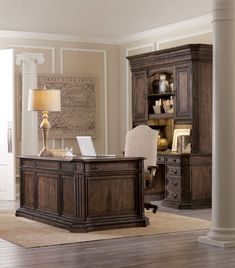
(44, 100)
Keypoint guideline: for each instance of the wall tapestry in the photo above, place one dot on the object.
(78, 107)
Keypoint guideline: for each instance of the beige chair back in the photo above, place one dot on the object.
(142, 141)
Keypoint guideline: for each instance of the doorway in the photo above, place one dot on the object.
(7, 129)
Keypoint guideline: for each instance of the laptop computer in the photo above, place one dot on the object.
(87, 148)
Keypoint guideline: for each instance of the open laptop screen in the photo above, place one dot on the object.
(86, 145)
(87, 148)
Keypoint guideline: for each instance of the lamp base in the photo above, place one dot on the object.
(45, 153)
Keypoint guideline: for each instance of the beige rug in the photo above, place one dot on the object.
(28, 233)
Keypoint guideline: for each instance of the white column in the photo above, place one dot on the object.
(222, 231)
(29, 123)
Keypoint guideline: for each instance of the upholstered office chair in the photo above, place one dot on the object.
(142, 141)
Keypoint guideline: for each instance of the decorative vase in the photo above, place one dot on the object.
(162, 144)
(155, 86)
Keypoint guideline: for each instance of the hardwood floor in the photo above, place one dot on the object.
(165, 250)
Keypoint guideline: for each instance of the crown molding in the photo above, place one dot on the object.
(57, 37)
(167, 29)
(111, 41)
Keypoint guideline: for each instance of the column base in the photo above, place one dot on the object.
(216, 243)
(219, 237)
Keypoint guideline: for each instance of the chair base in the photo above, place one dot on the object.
(148, 205)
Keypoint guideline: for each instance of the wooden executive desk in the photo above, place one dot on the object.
(82, 194)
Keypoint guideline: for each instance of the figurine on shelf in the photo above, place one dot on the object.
(168, 106)
(158, 106)
(163, 84)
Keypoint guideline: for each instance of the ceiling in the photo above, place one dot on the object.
(112, 19)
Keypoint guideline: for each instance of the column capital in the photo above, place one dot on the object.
(29, 58)
(223, 10)
(224, 4)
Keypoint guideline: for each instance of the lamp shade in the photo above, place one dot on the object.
(44, 100)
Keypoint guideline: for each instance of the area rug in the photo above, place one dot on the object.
(29, 234)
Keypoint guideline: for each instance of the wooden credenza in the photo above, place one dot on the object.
(187, 179)
(82, 194)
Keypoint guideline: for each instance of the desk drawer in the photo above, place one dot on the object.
(27, 163)
(173, 160)
(67, 166)
(51, 165)
(171, 170)
(112, 166)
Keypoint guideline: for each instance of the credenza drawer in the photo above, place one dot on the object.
(173, 181)
(173, 193)
(112, 166)
(171, 170)
(173, 160)
(160, 159)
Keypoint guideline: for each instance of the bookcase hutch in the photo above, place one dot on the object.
(182, 180)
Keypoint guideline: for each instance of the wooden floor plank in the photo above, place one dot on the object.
(165, 250)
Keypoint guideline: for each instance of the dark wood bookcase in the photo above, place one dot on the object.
(184, 180)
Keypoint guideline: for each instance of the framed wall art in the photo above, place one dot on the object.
(78, 106)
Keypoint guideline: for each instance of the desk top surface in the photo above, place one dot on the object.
(78, 158)
(167, 152)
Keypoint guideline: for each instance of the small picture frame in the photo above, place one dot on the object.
(178, 132)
